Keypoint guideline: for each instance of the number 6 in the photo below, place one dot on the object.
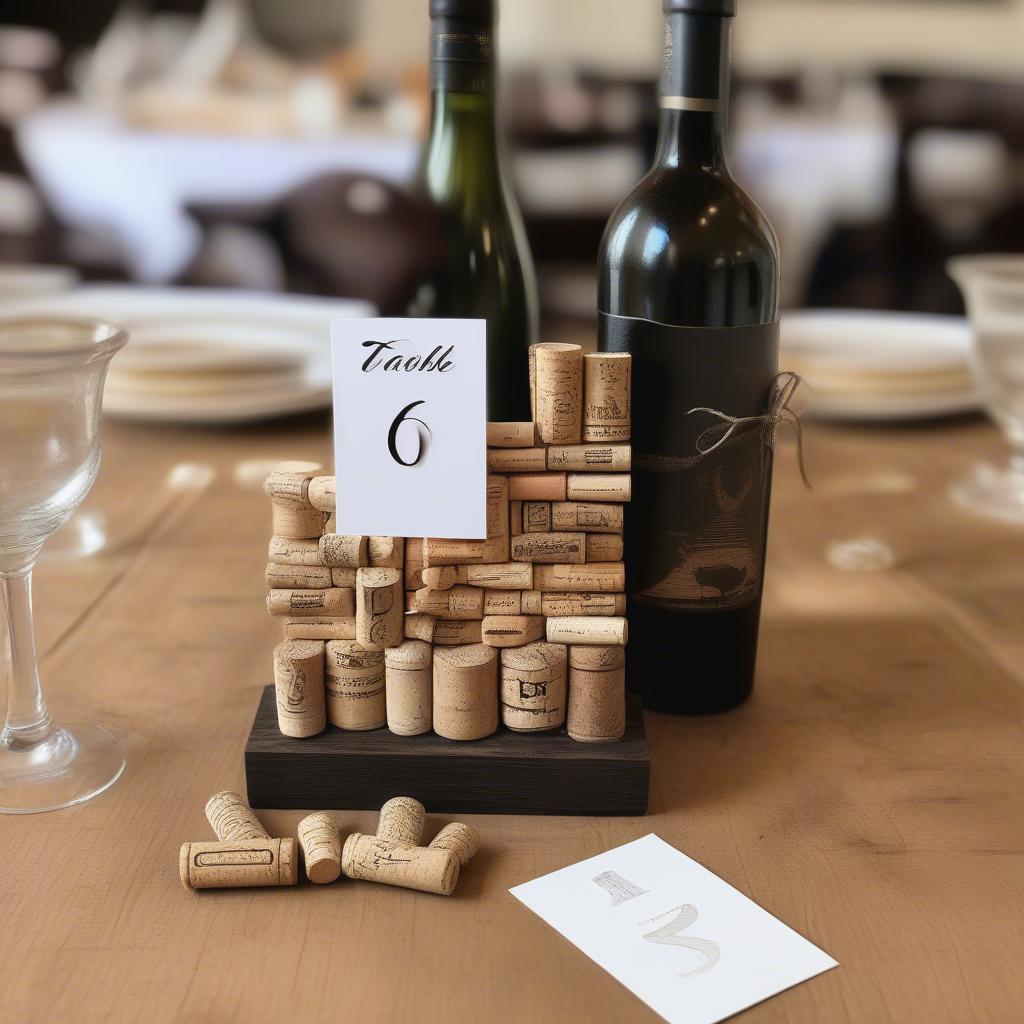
(401, 418)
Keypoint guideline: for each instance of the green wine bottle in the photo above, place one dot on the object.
(486, 270)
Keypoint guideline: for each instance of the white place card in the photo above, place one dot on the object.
(692, 947)
(410, 427)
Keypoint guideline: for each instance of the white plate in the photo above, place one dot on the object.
(863, 365)
(215, 356)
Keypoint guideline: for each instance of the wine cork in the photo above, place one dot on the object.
(537, 517)
(530, 602)
(322, 493)
(593, 577)
(331, 523)
(460, 839)
(503, 576)
(512, 435)
(582, 604)
(607, 387)
(374, 859)
(231, 817)
(342, 551)
(335, 602)
(586, 517)
(420, 627)
(301, 577)
(344, 578)
(589, 630)
(409, 687)
(402, 820)
(515, 509)
(238, 863)
(386, 552)
(440, 577)
(604, 547)
(458, 602)
(320, 628)
(413, 563)
(355, 686)
(538, 487)
(590, 458)
(599, 487)
(503, 602)
(559, 392)
(380, 608)
(533, 687)
(531, 369)
(597, 693)
(293, 516)
(512, 630)
(452, 633)
(299, 686)
(517, 460)
(285, 551)
(550, 547)
(465, 692)
(320, 842)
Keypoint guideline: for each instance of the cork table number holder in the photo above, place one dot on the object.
(484, 676)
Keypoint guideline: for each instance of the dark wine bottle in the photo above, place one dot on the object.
(688, 283)
(486, 270)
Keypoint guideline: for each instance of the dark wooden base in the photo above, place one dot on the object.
(508, 773)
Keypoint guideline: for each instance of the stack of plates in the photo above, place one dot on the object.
(880, 366)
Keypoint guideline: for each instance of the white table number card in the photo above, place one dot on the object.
(410, 427)
(692, 947)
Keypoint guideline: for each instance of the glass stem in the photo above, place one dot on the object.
(28, 722)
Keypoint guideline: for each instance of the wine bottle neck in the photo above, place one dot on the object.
(694, 91)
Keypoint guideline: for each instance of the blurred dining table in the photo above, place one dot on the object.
(870, 794)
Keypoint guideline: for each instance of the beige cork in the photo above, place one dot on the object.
(356, 698)
(556, 604)
(531, 369)
(420, 627)
(458, 602)
(413, 563)
(293, 516)
(503, 576)
(322, 493)
(559, 392)
(380, 608)
(587, 517)
(515, 509)
(604, 547)
(607, 386)
(320, 628)
(517, 460)
(373, 859)
(299, 686)
(465, 692)
(301, 577)
(440, 577)
(537, 517)
(460, 839)
(533, 687)
(512, 630)
(386, 552)
(593, 577)
(402, 820)
(597, 693)
(320, 842)
(238, 863)
(512, 435)
(550, 548)
(331, 523)
(343, 551)
(503, 602)
(538, 487)
(335, 602)
(531, 602)
(410, 688)
(599, 487)
(450, 633)
(285, 551)
(590, 458)
(589, 630)
(231, 817)
(344, 578)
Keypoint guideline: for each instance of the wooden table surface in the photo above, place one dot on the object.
(871, 794)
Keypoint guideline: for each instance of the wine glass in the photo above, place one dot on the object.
(993, 288)
(51, 391)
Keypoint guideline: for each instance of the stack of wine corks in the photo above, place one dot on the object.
(525, 628)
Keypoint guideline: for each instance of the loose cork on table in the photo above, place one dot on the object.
(231, 817)
(238, 863)
(320, 842)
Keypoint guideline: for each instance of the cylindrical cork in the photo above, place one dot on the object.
(462, 840)
(238, 863)
(335, 602)
(331, 523)
(512, 630)
(512, 435)
(531, 369)
(590, 458)
(355, 686)
(597, 693)
(530, 603)
(604, 547)
(607, 402)
(515, 518)
(503, 602)
(376, 860)
(413, 563)
(231, 817)
(285, 551)
(465, 692)
(320, 628)
(517, 460)
(550, 547)
(587, 517)
(410, 688)
(293, 516)
(533, 687)
(458, 603)
(559, 412)
(440, 577)
(593, 577)
(299, 686)
(457, 633)
(589, 630)
(538, 487)
(537, 517)
(298, 577)
(342, 551)
(320, 842)
(420, 627)
(556, 604)
(386, 552)
(503, 576)
(380, 608)
(322, 493)
(344, 578)
(599, 487)
(402, 820)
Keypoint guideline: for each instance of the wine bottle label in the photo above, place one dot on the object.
(696, 527)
